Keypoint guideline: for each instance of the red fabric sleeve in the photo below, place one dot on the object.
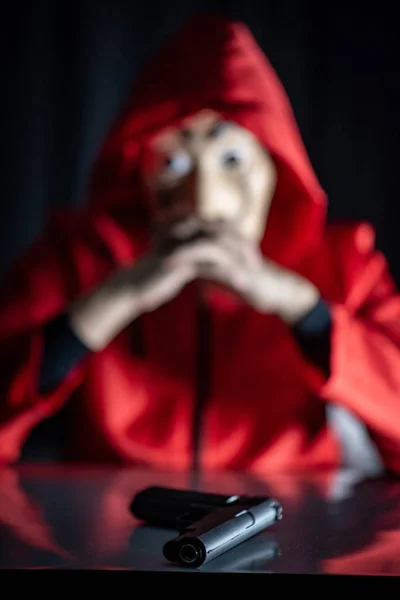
(365, 353)
(21, 406)
(74, 255)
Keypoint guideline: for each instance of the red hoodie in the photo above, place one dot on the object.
(265, 406)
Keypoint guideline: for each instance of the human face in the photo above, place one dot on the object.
(211, 171)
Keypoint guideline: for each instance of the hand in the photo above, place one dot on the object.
(154, 280)
(176, 259)
(215, 253)
(266, 286)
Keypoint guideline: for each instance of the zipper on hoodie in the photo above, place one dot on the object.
(203, 374)
(202, 367)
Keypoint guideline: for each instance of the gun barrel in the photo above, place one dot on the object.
(219, 532)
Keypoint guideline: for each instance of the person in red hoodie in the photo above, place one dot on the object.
(200, 311)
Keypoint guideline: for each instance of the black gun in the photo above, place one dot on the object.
(208, 524)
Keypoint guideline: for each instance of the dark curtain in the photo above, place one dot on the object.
(67, 68)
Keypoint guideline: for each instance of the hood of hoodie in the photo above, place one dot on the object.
(215, 63)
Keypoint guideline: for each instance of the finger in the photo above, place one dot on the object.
(201, 253)
(245, 252)
(188, 228)
(169, 244)
(182, 232)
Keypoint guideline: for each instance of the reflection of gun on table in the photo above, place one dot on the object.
(208, 524)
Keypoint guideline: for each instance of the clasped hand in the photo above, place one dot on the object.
(217, 253)
(220, 254)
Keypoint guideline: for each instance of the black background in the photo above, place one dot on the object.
(67, 68)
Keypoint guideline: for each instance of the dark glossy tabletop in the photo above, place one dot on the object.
(78, 518)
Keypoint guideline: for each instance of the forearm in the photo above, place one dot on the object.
(99, 317)
(88, 326)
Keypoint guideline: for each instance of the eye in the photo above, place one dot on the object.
(186, 135)
(178, 164)
(232, 159)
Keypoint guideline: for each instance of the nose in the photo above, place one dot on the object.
(202, 195)
(195, 196)
(210, 204)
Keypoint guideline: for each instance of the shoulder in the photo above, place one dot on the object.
(350, 237)
(85, 241)
(347, 261)
(344, 245)
(75, 252)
